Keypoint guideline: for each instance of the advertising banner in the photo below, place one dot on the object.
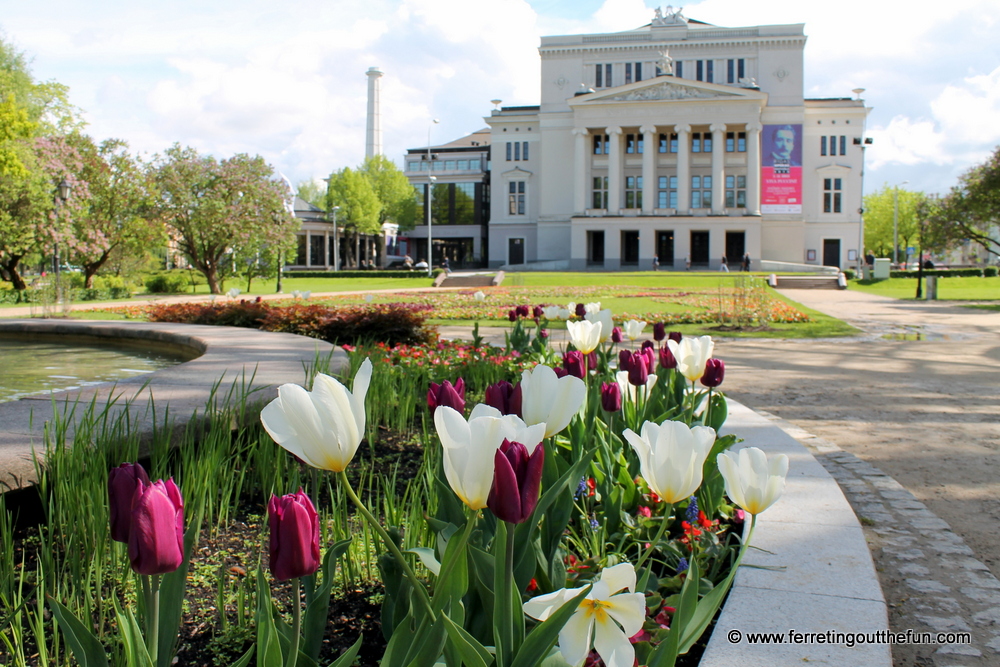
(781, 169)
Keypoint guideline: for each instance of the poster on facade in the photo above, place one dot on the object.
(781, 169)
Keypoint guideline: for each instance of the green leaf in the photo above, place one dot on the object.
(268, 646)
(472, 652)
(666, 653)
(540, 641)
(131, 634)
(245, 660)
(172, 589)
(318, 603)
(346, 658)
(86, 647)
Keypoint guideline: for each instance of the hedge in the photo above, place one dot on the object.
(941, 273)
(377, 273)
(80, 294)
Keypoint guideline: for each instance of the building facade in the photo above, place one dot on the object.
(686, 141)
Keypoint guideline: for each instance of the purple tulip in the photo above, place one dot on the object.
(122, 482)
(536, 312)
(512, 315)
(667, 359)
(505, 397)
(522, 311)
(611, 397)
(294, 541)
(156, 533)
(647, 345)
(616, 335)
(575, 364)
(592, 361)
(675, 336)
(560, 372)
(650, 354)
(581, 310)
(624, 360)
(543, 334)
(447, 394)
(715, 371)
(638, 371)
(516, 481)
(659, 331)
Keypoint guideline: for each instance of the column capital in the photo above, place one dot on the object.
(717, 127)
(754, 126)
(682, 129)
(581, 131)
(613, 130)
(648, 129)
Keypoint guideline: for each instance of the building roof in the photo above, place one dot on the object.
(480, 139)
(306, 211)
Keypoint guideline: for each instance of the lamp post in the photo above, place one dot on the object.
(430, 200)
(863, 142)
(63, 191)
(895, 224)
(336, 240)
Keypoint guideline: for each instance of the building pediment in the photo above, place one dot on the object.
(667, 88)
(516, 172)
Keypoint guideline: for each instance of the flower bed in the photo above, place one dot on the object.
(592, 494)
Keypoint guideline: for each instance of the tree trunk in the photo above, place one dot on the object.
(212, 276)
(357, 250)
(10, 266)
(383, 259)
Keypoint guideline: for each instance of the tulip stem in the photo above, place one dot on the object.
(153, 609)
(293, 650)
(391, 545)
(659, 535)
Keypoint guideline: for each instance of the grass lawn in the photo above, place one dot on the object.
(949, 289)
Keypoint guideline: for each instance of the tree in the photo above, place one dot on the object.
(312, 191)
(394, 192)
(46, 103)
(223, 214)
(359, 205)
(971, 211)
(117, 213)
(879, 211)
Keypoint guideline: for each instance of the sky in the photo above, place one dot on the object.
(287, 80)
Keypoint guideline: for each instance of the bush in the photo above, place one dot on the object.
(167, 283)
(37, 295)
(941, 273)
(849, 274)
(990, 272)
(373, 273)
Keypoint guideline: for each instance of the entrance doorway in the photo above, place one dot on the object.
(735, 246)
(665, 247)
(515, 250)
(595, 248)
(699, 248)
(630, 248)
(831, 252)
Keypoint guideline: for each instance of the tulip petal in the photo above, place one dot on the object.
(575, 637)
(612, 644)
(629, 609)
(504, 499)
(619, 577)
(293, 433)
(543, 606)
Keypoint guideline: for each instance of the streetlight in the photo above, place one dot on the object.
(336, 240)
(430, 199)
(895, 224)
(63, 191)
(863, 142)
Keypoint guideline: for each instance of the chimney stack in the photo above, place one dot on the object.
(373, 129)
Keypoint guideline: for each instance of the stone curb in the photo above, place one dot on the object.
(226, 358)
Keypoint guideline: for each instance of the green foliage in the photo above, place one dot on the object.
(943, 273)
(879, 211)
(377, 273)
(359, 205)
(167, 283)
(971, 211)
(313, 192)
(393, 190)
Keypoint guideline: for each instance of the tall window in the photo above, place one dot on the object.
(710, 71)
(736, 191)
(701, 143)
(600, 192)
(822, 145)
(834, 140)
(633, 192)
(633, 143)
(843, 145)
(735, 70)
(831, 195)
(736, 142)
(701, 192)
(696, 142)
(638, 71)
(601, 143)
(668, 143)
(602, 75)
(666, 192)
(699, 70)
(510, 151)
(516, 197)
(628, 73)
(524, 150)
(679, 69)
(517, 151)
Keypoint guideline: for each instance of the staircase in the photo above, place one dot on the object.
(469, 279)
(808, 282)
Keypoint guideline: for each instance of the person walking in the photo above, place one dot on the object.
(746, 262)
(656, 263)
(724, 266)
(687, 262)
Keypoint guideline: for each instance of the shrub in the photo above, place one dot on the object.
(849, 274)
(990, 272)
(376, 273)
(167, 283)
(941, 273)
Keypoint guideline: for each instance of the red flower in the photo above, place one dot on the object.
(703, 520)
(645, 511)
(532, 586)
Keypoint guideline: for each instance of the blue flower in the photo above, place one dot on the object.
(682, 565)
(692, 510)
(581, 488)
(595, 524)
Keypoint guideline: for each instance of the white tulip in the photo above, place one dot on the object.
(549, 399)
(692, 354)
(584, 335)
(593, 307)
(633, 329)
(565, 314)
(323, 427)
(369, 298)
(479, 296)
(753, 482)
(233, 293)
(551, 312)
(470, 447)
(671, 457)
(296, 294)
(306, 294)
(629, 389)
(603, 619)
(604, 317)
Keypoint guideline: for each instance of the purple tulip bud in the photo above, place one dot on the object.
(560, 372)
(543, 334)
(611, 397)
(675, 336)
(616, 335)
(516, 481)
(650, 354)
(647, 345)
(575, 364)
(624, 360)
(156, 532)
(536, 312)
(512, 315)
(294, 541)
(659, 331)
(447, 394)
(667, 359)
(505, 397)
(592, 361)
(638, 372)
(522, 311)
(122, 482)
(715, 371)
(581, 310)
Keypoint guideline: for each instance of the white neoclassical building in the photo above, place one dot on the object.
(684, 141)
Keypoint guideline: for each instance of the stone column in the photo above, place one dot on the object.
(309, 248)
(683, 169)
(753, 168)
(581, 163)
(648, 168)
(616, 192)
(718, 168)
(326, 249)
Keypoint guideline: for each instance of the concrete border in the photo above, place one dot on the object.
(811, 570)
(259, 361)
